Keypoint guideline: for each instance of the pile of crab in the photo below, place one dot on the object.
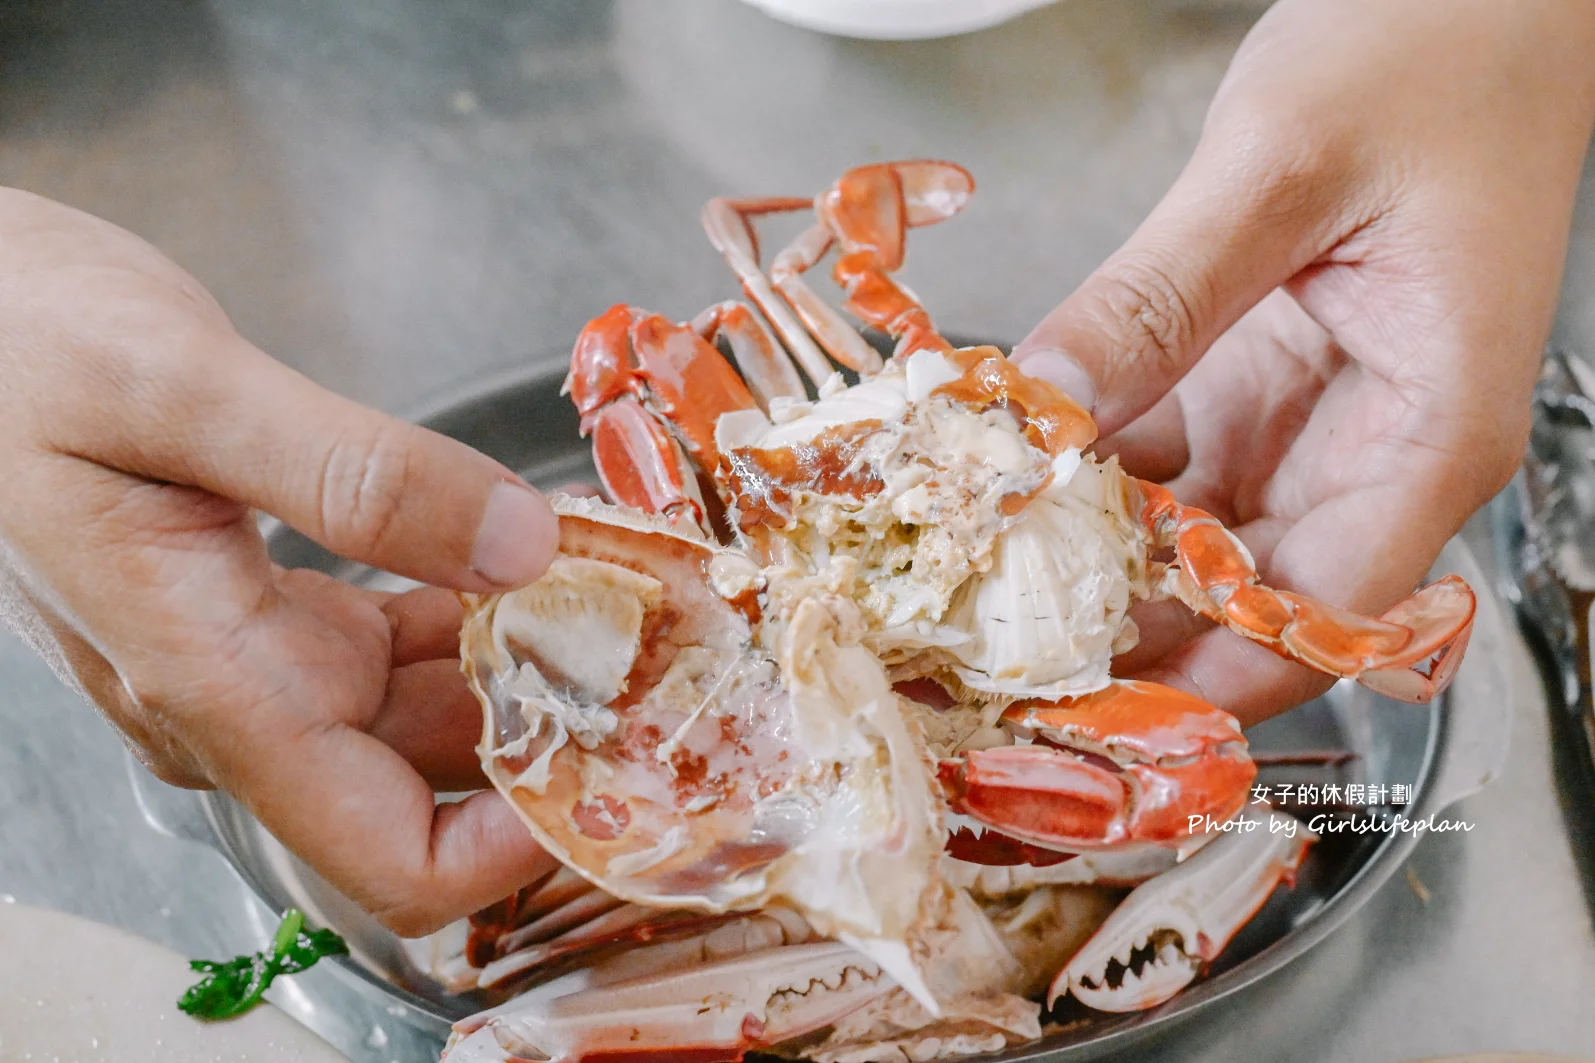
(817, 713)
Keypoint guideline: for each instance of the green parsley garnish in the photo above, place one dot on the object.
(233, 987)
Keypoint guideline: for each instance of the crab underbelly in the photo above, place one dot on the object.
(1049, 616)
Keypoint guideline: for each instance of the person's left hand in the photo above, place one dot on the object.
(139, 436)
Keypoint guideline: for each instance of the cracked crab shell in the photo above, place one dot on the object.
(649, 738)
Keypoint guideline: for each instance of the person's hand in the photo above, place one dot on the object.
(138, 432)
(1390, 186)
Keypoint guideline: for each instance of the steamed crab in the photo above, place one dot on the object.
(817, 714)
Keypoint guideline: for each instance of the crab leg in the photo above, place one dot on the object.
(475, 1038)
(1215, 576)
(489, 927)
(870, 210)
(640, 465)
(840, 339)
(638, 462)
(726, 221)
(1126, 867)
(704, 1011)
(770, 928)
(580, 911)
(1133, 762)
(1159, 939)
(561, 915)
(767, 369)
(618, 925)
(558, 890)
(668, 367)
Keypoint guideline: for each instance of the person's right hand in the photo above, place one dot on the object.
(138, 432)
(1327, 333)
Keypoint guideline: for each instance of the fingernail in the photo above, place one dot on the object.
(1061, 371)
(517, 538)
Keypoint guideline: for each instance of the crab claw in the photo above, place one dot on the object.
(1134, 762)
(704, 1013)
(871, 208)
(1159, 939)
(649, 392)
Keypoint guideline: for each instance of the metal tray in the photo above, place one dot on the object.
(373, 1005)
(1545, 554)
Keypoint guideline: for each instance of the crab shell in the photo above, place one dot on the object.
(651, 741)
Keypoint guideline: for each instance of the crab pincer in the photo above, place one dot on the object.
(1132, 763)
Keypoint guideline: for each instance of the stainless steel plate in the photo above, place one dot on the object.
(1443, 751)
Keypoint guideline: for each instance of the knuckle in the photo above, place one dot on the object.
(362, 484)
(409, 919)
(1151, 313)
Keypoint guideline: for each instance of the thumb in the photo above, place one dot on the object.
(364, 485)
(1219, 242)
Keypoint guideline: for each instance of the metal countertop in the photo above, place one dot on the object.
(396, 196)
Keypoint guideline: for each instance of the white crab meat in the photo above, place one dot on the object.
(579, 626)
(1048, 617)
(869, 890)
(1156, 942)
(943, 473)
(952, 555)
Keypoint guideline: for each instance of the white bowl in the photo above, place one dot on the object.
(896, 20)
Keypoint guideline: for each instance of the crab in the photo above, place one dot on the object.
(689, 986)
(824, 652)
